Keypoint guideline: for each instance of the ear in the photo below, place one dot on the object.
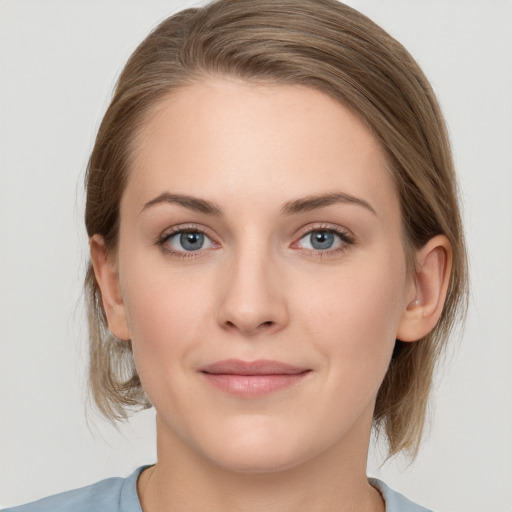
(429, 287)
(107, 277)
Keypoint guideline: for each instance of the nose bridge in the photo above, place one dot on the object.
(253, 299)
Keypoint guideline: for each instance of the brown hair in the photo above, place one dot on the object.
(318, 43)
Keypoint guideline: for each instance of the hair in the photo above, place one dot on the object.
(330, 47)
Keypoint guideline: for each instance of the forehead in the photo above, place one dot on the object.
(223, 138)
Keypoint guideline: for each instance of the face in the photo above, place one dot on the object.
(261, 273)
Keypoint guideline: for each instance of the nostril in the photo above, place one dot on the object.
(256, 327)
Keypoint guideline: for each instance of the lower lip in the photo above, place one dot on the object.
(249, 386)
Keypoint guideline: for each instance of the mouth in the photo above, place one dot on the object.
(252, 378)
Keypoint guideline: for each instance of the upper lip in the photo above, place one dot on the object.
(259, 367)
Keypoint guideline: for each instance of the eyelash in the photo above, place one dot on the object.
(346, 240)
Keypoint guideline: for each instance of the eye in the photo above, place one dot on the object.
(323, 240)
(186, 240)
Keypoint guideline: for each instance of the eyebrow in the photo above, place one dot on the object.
(190, 202)
(314, 202)
(304, 204)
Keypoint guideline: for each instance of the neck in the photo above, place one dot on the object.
(331, 481)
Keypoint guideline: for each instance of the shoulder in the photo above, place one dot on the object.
(110, 495)
(395, 502)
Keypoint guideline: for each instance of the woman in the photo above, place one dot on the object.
(276, 258)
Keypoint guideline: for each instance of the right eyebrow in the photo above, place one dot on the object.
(190, 202)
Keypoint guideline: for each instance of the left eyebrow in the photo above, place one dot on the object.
(309, 203)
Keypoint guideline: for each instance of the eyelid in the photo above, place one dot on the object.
(342, 231)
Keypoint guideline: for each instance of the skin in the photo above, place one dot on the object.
(258, 290)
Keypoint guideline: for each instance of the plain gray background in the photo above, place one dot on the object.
(58, 63)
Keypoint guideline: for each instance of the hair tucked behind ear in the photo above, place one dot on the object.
(317, 43)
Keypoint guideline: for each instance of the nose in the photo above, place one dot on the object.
(253, 299)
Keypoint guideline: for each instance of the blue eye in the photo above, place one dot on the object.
(324, 240)
(321, 240)
(187, 241)
(191, 241)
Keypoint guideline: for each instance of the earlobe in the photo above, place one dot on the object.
(430, 283)
(107, 277)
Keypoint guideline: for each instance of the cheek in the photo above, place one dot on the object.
(354, 319)
(166, 313)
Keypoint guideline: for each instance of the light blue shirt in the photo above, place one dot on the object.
(120, 495)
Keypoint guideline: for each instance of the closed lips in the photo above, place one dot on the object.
(252, 379)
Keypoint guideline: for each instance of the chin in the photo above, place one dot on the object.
(259, 449)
